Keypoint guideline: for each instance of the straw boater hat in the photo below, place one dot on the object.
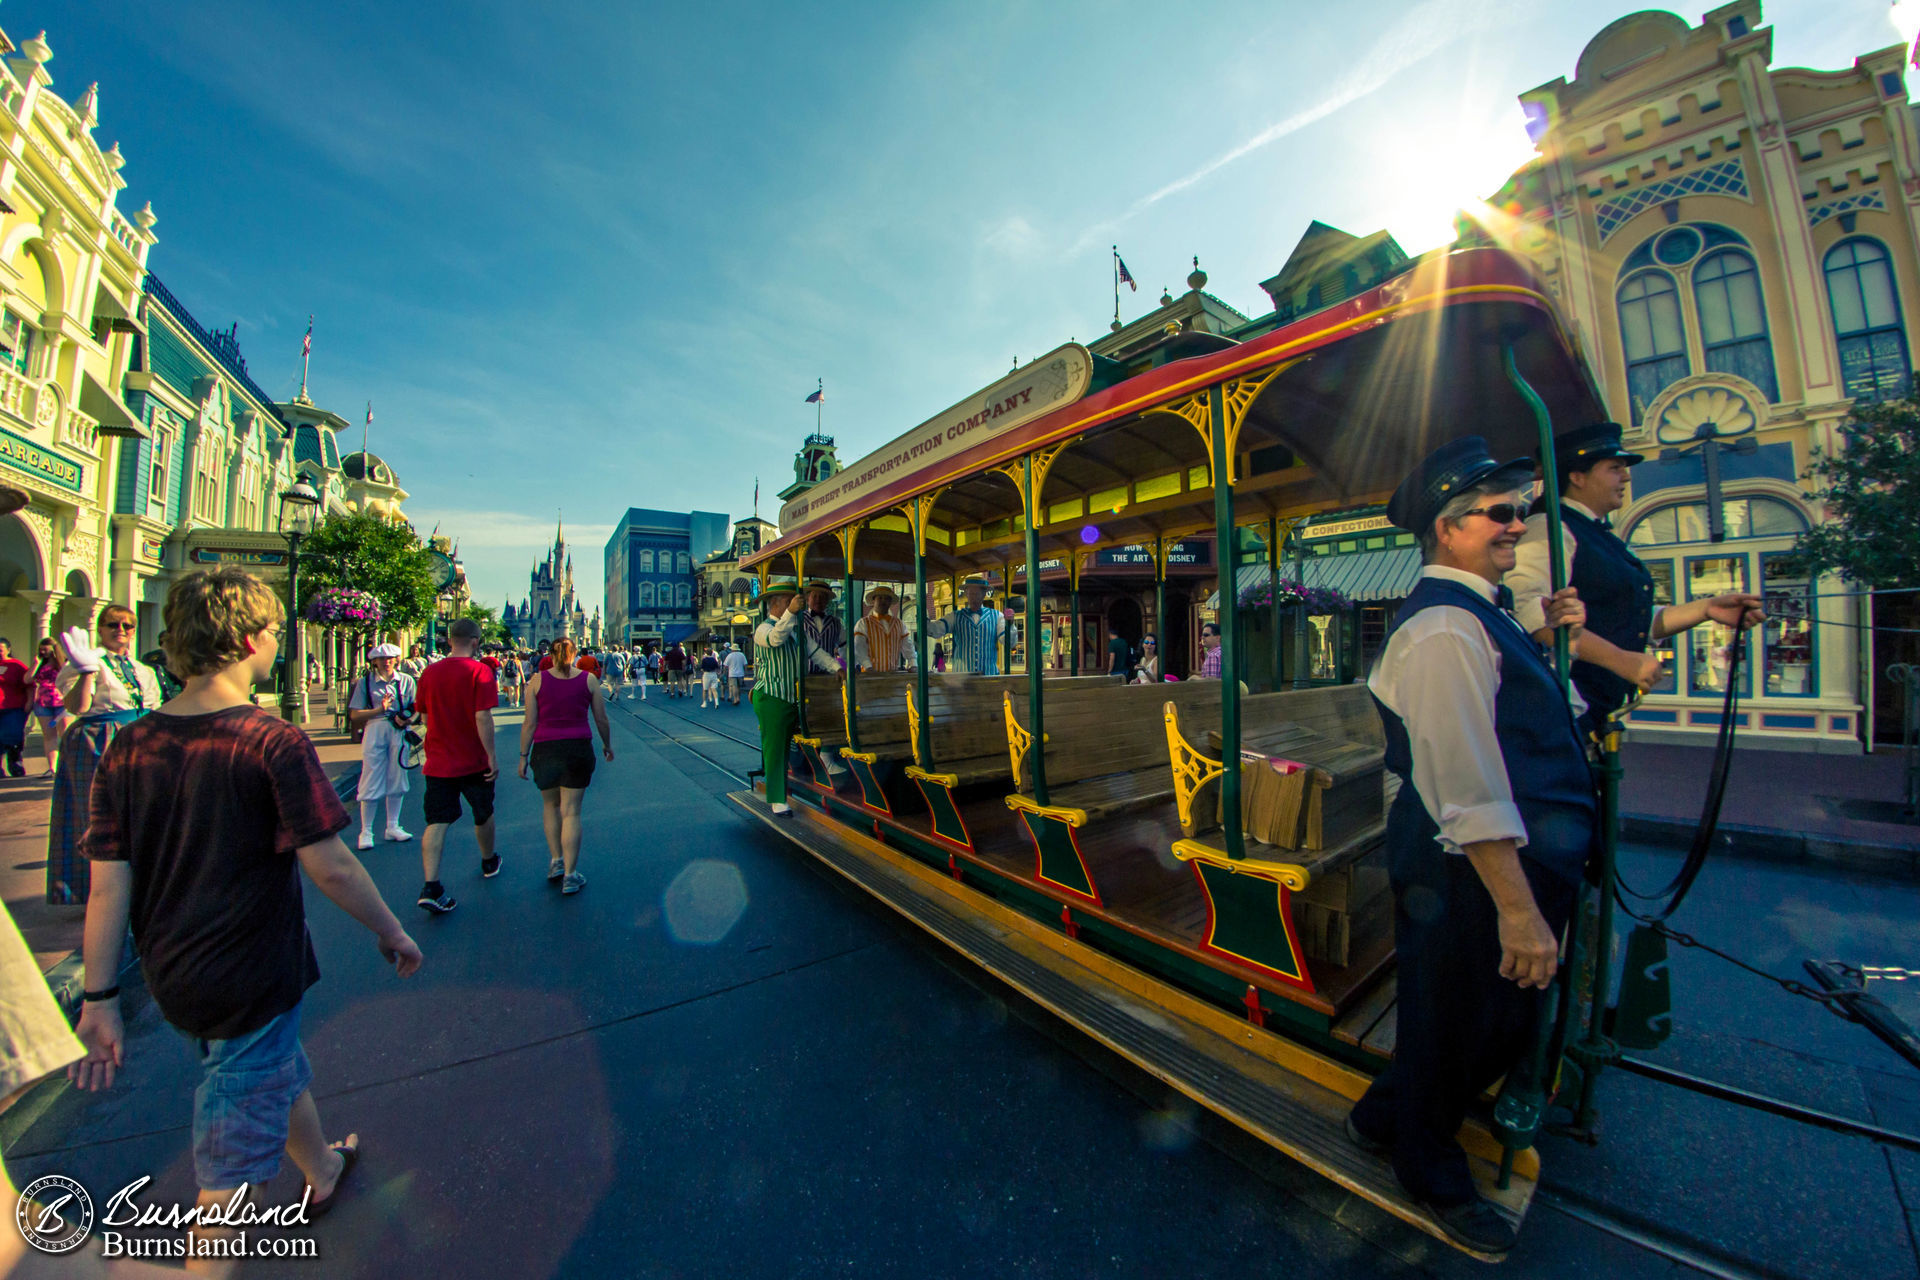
(384, 651)
(819, 584)
(976, 580)
(877, 592)
(780, 586)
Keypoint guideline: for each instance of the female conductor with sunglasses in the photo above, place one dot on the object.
(105, 688)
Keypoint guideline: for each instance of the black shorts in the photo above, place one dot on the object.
(442, 801)
(563, 762)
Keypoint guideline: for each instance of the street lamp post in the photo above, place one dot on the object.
(303, 498)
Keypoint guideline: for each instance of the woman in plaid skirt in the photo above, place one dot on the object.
(105, 688)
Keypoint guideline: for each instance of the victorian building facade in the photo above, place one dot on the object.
(1737, 248)
(651, 569)
(70, 270)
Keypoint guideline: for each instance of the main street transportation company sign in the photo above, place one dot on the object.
(1057, 378)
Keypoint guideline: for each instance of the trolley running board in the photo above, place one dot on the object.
(1284, 1094)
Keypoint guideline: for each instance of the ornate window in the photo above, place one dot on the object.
(16, 342)
(162, 464)
(1866, 320)
(682, 596)
(646, 562)
(682, 562)
(1733, 318)
(646, 595)
(1652, 336)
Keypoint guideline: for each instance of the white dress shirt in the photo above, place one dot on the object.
(1440, 674)
(1531, 580)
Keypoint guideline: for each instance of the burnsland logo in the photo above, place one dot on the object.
(55, 1215)
(61, 1222)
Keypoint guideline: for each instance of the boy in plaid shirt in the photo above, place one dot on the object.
(204, 813)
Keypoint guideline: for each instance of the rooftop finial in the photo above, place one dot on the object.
(1196, 279)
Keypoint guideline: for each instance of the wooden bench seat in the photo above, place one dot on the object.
(1321, 896)
(1335, 731)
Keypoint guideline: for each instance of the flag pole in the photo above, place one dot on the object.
(365, 427)
(1116, 286)
(306, 354)
(819, 404)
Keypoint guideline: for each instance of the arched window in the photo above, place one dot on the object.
(1866, 320)
(646, 595)
(1652, 335)
(1756, 517)
(646, 562)
(682, 562)
(681, 596)
(1733, 319)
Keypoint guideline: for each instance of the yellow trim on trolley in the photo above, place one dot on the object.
(807, 742)
(1290, 874)
(1166, 397)
(937, 779)
(1026, 804)
(1191, 770)
(864, 757)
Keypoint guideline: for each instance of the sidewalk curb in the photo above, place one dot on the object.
(1767, 844)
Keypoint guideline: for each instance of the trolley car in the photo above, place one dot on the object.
(1188, 873)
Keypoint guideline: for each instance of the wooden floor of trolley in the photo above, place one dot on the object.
(1283, 1093)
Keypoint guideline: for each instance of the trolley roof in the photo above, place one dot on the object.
(1325, 414)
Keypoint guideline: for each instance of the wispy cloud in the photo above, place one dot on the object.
(510, 530)
(1423, 32)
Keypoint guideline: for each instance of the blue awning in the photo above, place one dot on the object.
(1364, 577)
(674, 632)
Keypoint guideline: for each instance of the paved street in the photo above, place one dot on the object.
(718, 1061)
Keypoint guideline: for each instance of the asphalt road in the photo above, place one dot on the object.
(719, 1061)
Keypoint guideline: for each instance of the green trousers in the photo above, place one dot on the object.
(777, 719)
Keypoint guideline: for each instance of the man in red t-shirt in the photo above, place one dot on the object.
(16, 689)
(456, 696)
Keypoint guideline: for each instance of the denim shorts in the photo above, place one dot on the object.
(241, 1109)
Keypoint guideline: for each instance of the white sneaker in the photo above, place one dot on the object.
(366, 839)
(397, 833)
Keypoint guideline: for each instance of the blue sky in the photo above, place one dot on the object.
(593, 256)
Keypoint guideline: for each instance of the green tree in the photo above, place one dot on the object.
(368, 553)
(492, 630)
(1872, 495)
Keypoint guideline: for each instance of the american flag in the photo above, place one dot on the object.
(1126, 276)
(818, 397)
(306, 344)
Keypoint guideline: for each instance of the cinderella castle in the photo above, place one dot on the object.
(550, 610)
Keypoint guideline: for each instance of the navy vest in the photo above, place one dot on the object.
(1618, 593)
(1539, 743)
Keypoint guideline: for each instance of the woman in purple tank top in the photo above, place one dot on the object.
(556, 741)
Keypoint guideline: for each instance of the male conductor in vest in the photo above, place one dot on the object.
(1489, 836)
(1611, 658)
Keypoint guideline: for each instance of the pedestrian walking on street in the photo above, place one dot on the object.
(736, 673)
(510, 678)
(49, 706)
(416, 660)
(16, 697)
(556, 742)
(204, 815)
(709, 680)
(457, 696)
(675, 665)
(381, 708)
(106, 689)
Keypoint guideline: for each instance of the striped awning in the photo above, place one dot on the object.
(1365, 577)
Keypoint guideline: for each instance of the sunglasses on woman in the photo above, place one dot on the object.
(117, 626)
(1499, 512)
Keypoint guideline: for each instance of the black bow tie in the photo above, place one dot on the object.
(1503, 598)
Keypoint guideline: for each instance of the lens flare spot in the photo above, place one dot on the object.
(705, 901)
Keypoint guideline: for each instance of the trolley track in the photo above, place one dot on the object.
(1695, 1256)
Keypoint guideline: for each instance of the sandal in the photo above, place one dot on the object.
(348, 1157)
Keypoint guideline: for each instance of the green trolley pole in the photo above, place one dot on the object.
(1160, 600)
(1073, 604)
(846, 612)
(1035, 676)
(1273, 590)
(1522, 1103)
(1229, 629)
(919, 530)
